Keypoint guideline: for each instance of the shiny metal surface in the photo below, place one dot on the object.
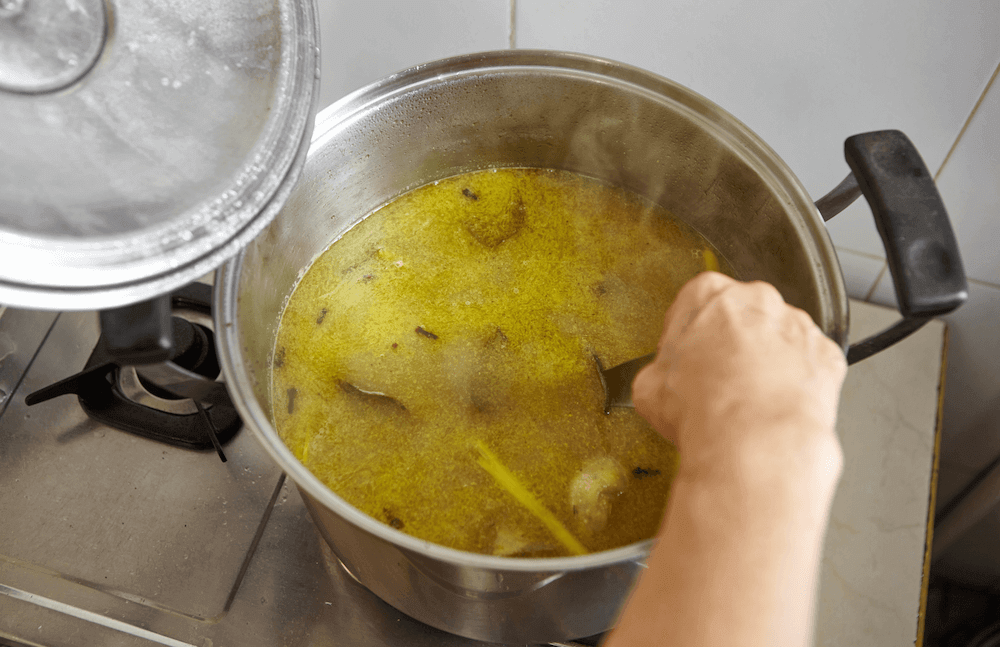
(49, 45)
(839, 198)
(107, 510)
(293, 592)
(22, 333)
(133, 389)
(512, 108)
(182, 382)
(174, 150)
(111, 539)
(617, 381)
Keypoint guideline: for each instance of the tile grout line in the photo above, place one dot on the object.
(885, 266)
(512, 41)
(873, 257)
(961, 133)
(937, 176)
(871, 290)
(968, 120)
(985, 284)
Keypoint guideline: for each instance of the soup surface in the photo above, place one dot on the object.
(435, 365)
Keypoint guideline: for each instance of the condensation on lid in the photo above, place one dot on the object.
(125, 176)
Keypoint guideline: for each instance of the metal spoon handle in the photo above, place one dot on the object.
(617, 381)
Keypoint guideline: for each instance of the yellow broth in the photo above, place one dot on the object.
(475, 306)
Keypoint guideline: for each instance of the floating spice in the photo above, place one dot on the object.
(491, 229)
(372, 397)
(292, 392)
(426, 333)
(641, 472)
(559, 242)
(467, 192)
(322, 316)
(506, 479)
(392, 519)
(497, 341)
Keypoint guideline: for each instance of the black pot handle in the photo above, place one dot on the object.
(920, 245)
(144, 333)
(139, 333)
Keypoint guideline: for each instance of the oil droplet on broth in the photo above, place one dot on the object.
(510, 281)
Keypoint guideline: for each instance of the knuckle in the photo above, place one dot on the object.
(766, 290)
(709, 282)
(802, 318)
(764, 296)
(830, 354)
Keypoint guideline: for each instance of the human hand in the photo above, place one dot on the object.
(742, 377)
(746, 386)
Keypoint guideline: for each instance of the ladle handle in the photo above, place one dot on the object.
(920, 246)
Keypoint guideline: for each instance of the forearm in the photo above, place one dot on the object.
(736, 559)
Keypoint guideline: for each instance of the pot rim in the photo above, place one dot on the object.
(339, 115)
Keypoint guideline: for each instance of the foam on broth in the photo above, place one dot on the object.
(463, 318)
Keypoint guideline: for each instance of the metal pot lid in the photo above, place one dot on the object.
(144, 143)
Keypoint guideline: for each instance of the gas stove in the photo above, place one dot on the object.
(111, 538)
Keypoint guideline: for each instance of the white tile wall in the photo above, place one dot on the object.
(970, 186)
(860, 272)
(365, 41)
(884, 293)
(804, 76)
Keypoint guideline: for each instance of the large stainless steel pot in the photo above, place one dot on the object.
(514, 108)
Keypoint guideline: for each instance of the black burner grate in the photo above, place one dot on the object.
(158, 414)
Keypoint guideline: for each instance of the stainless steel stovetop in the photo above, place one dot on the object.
(111, 539)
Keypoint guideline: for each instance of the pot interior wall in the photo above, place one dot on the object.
(630, 129)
